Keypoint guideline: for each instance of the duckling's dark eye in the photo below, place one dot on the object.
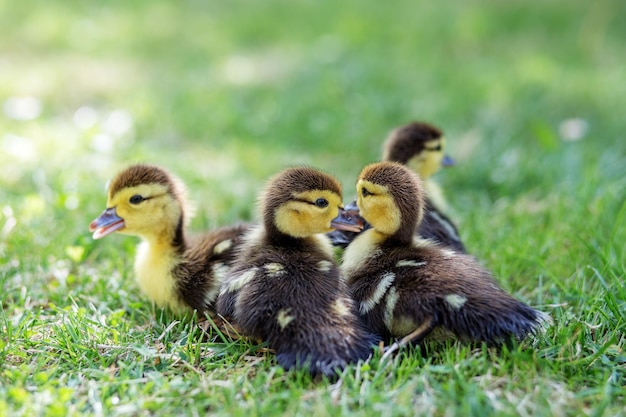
(436, 148)
(321, 202)
(136, 199)
(364, 192)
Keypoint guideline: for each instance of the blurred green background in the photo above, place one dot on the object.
(531, 96)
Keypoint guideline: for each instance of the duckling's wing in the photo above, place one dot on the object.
(438, 227)
(468, 302)
(298, 304)
(207, 260)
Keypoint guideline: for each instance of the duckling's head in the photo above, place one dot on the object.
(143, 200)
(418, 145)
(390, 198)
(302, 201)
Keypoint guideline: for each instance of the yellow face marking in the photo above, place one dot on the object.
(378, 207)
(428, 161)
(150, 218)
(283, 318)
(302, 217)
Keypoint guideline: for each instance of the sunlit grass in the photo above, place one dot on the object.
(224, 95)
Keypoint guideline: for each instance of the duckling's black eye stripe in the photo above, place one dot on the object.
(305, 201)
(146, 198)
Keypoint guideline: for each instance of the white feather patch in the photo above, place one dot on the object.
(390, 306)
(340, 308)
(455, 301)
(324, 266)
(242, 279)
(283, 318)
(222, 246)
(385, 282)
(409, 262)
(448, 254)
(219, 274)
(274, 268)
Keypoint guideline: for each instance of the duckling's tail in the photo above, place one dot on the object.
(495, 323)
(330, 358)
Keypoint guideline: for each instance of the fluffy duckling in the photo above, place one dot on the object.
(405, 286)
(285, 288)
(173, 270)
(420, 146)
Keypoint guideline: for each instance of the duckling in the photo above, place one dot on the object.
(405, 286)
(173, 270)
(285, 288)
(420, 146)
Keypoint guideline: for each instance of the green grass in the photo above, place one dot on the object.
(226, 94)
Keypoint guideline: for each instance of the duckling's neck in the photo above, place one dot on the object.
(321, 242)
(364, 247)
(433, 190)
(157, 256)
(168, 239)
(435, 195)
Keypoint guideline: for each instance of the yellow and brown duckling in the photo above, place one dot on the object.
(173, 270)
(405, 286)
(285, 288)
(420, 146)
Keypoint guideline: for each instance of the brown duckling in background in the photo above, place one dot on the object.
(420, 146)
(405, 286)
(285, 287)
(173, 270)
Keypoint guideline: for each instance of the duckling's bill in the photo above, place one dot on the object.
(347, 220)
(107, 223)
(447, 161)
(352, 209)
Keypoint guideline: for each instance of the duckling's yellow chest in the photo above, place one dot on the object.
(153, 268)
(360, 251)
(434, 192)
